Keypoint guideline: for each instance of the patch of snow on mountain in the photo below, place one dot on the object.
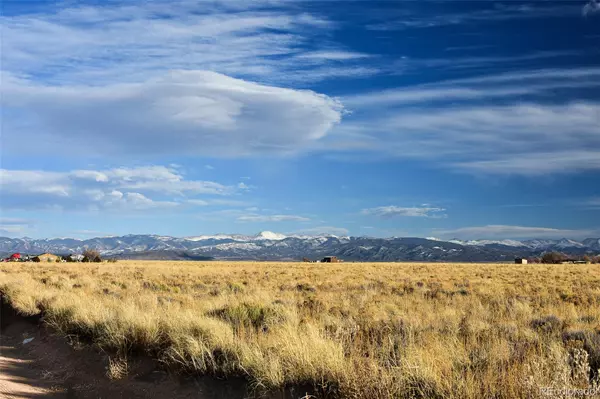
(508, 243)
(565, 243)
(216, 237)
(246, 246)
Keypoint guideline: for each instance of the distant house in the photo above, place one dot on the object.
(521, 261)
(46, 258)
(16, 257)
(330, 259)
(75, 258)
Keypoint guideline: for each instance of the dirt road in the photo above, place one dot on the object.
(19, 377)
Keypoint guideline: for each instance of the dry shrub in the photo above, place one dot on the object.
(548, 325)
(117, 368)
(590, 343)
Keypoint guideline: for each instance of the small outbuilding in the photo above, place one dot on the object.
(16, 257)
(521, 261)
(330, 259)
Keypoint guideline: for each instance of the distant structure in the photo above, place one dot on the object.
(75, 258)
(331, 259)
(521, 261)
(16, 257)
(46, 258)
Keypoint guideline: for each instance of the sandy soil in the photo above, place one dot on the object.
(19, 380)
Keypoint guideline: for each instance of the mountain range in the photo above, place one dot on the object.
(274, 246)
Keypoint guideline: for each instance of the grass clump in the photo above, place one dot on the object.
(250, 315)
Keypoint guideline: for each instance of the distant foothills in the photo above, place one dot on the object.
(279, 247)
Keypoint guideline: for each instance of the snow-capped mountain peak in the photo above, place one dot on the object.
(269, 235)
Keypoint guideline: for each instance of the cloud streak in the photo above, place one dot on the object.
(507, 232)
(497, 124)
(388, 212)
(272, 218)
(15, 226)
(493, 13)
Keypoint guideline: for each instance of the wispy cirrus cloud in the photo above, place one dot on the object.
(97, 45)
(272, 218)
(387, 212)
(489, 13)
(504, 85)
(481, 64)
(496, 124)
(588, 203)
(333, 55)
(508, 232)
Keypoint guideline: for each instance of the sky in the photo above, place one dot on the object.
(447, 119)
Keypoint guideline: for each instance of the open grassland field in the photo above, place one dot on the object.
(356, 330)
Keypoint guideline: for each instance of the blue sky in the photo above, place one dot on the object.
(468, 119)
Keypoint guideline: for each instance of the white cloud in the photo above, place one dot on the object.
(117, 188)
(502, 232)
(592, 7)
(209, 167)
(33, 182)
(395, 211)
(132, 201)
(90, 174)
(272, 218)
(191, 112)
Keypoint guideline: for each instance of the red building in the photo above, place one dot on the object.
(15, 257)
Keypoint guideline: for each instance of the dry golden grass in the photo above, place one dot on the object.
(360, 330)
